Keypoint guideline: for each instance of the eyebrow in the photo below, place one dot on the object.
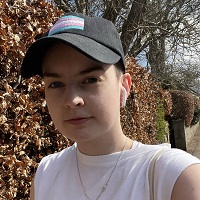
(83, 72)
(92, 69)
(52, 75)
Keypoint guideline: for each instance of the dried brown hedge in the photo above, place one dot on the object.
(183, 106)
(24, 138)
(197, 102)
(139, 118)
(20, 24)
(27, 132)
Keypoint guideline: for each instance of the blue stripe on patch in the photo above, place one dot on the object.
(65, 28)
(66, 23)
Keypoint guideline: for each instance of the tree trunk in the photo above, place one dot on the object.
(156, 57)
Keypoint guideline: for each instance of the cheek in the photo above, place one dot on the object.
(49, 101)
(106, 105)
(52, 105)
(55, 114)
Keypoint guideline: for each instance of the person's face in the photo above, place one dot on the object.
(83, 96)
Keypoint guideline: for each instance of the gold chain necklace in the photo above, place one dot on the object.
(105, 186)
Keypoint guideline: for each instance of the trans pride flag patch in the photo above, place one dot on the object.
(66, 23)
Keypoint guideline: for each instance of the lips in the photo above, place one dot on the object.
(77, 121)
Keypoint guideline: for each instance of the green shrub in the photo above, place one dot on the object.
(161, 125)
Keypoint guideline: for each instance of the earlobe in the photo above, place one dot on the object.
(124, 96)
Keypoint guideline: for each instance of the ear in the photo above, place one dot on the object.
(126, 83)
(125, 88)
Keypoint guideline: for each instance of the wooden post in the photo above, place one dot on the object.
(179, 134)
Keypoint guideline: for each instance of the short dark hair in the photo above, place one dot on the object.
(119, 69)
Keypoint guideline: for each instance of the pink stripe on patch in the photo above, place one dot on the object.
(67, 22)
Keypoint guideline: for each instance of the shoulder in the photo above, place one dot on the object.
(170, 169)
(52, 165)
(172, 172)
(54, 162)
(58, 156)
(188, 183)
(177, 159)
(170, 158)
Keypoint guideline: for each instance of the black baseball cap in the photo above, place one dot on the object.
(95, 37)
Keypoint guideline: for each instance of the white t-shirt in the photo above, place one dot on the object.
(57, 175)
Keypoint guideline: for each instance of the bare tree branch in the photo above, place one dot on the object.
(112, 9)
(134, 18)
(64, 5)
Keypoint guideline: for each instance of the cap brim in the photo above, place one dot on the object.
(32, 63)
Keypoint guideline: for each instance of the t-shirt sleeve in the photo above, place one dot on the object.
(168, 168)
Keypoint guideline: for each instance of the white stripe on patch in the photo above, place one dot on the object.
(67, 22)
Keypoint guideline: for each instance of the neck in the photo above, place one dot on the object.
(104, 146)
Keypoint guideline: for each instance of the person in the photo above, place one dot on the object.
(82, 63)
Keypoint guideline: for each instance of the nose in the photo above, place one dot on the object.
(73, 100)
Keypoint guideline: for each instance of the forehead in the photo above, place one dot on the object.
(62, 58)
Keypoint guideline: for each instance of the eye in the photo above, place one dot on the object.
(56, 85)
(92, 80)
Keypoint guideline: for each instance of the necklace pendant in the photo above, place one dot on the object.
(104, 188)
